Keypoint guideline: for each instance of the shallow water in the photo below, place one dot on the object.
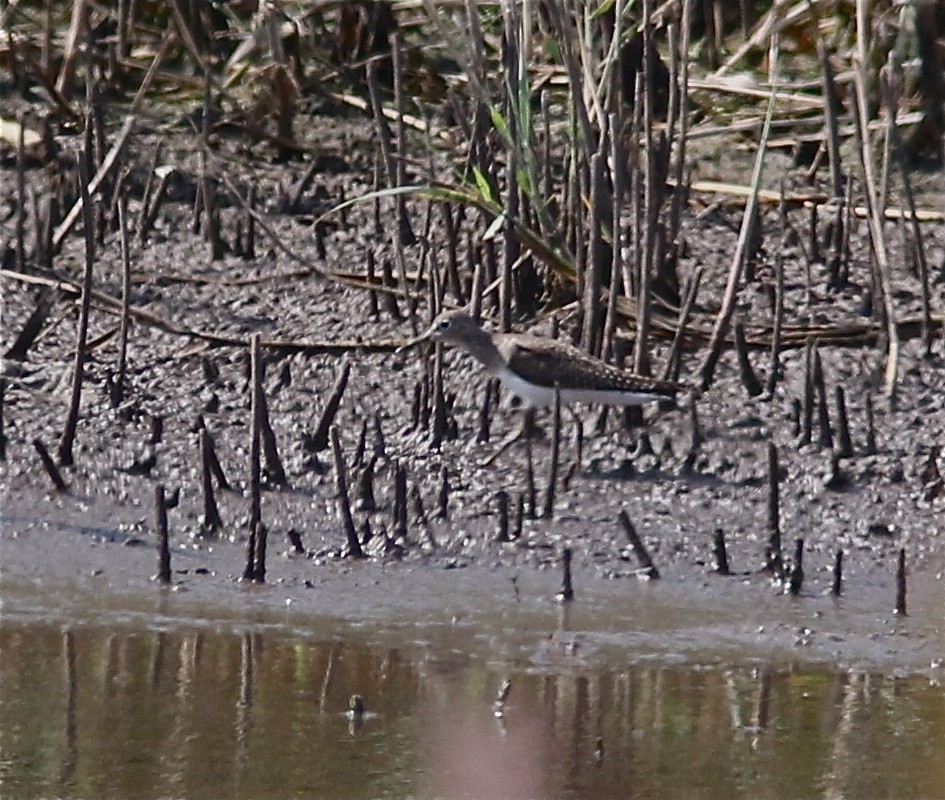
(692, 686)
(146, 711)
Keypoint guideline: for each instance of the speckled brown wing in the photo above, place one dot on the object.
(546, 362)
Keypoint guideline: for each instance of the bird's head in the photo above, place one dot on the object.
(451, 327)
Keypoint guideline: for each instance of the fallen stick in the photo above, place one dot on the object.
(107, 164)
(647, 567)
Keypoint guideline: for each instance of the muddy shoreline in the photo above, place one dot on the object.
(879, 504)
(92, 576)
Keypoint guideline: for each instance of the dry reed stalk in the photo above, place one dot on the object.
(877, 233)
(918, 242)
(68, 435)
(121, 367)
(679, 166)
(741, 248)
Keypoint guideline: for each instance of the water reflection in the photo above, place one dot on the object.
(90, 712)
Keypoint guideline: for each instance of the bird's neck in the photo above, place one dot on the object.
(481, 347)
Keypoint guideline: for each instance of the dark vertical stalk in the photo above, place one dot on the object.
(124, 29)
(837, 586)
(49, 228)
(366, 499)
(249, 248)
(502, 503)
(519, 520)
(157, 429)
(387, 151)
(483, 431)
(319, 440)
(3, 433)
(275, 473)
(390, 297)
(214, 464)
(567, 590)
(773, 559)
(50, 466)
(775, 366)
(255, 438)
(439, 416)
(901, 583)
(512, 61)
(578, 463)
(125, 300)
(400, 502)
(20, 193)
(844, 442)
(443, 496)
(549, 509)
(597, 254)
(823, 413)
(164, 551)
(651, 197)
(721, 555)
(380, 448)
(870, 448)
(211, 514)
(373, 309)
(211, 213)
(353, 545)
(68, 434)
(404, 231)
(361, 447)
(259, 553)
(807, 408)
(843, 269)
(680, 190)
(831, 114)
(749, 381)
(673, 359)
(376, 188)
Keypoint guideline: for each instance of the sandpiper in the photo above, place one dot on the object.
(533, 367)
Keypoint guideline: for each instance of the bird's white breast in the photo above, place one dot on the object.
(534, 395)
(531, 394)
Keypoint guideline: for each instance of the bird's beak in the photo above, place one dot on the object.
(415, 341)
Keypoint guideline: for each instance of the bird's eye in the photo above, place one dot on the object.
(444, 325)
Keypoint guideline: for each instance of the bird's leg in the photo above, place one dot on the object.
(527, 430)
(578, 465)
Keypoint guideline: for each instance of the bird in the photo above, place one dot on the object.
(534, 368)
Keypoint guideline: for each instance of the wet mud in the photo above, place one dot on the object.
(678, 475)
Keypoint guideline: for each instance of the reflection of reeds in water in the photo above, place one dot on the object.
(184, 714)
